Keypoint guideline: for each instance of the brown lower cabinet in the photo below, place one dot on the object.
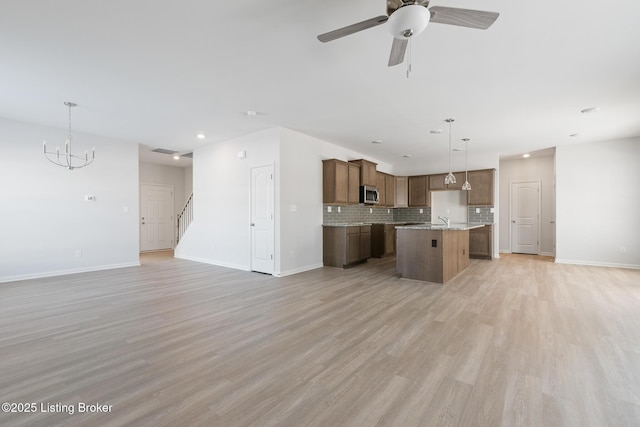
(481, 242)
(345, 245)
(383, 240)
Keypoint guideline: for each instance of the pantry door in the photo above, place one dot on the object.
(262, 223)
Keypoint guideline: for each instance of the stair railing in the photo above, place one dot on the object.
(185, 217)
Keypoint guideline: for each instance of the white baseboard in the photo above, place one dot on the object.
(213, 262)
(597, 263)
(43, 274)
(298, 270)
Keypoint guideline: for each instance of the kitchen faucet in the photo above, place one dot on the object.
(446, 220)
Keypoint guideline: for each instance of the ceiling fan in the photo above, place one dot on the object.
(408, 18)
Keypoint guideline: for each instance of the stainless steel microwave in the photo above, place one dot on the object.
(369, 195)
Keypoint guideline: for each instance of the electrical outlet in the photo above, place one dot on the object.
(78, 253)
(477, 210)
(329, 209)
(623, 250)
(370, 210)
(421, 210)
(339, 209)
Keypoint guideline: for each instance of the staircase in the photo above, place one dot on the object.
(185, 217)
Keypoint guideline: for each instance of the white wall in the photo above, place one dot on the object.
(44, 219)
(188, 181)
(300, 202)
(220, 231)
(521, 170)
(598, 203)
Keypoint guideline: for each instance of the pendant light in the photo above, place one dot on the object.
(466, 186)
(67, 159)
(449, 179)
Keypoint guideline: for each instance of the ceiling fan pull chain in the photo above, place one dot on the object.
(409, 61)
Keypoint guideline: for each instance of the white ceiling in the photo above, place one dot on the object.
(159, 72)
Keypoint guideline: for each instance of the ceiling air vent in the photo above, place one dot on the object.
(164, 151)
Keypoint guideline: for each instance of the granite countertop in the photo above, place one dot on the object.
(454, 226)
(414, 225)
(398, 222)
(346, 224)
(354, 224)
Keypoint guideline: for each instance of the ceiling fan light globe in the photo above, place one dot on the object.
(408, 21)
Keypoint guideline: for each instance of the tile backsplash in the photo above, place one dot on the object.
(363, 213)
(485, 215)
(356, 213)
(412, 214)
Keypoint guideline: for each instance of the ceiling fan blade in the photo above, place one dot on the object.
(354, 28)
(479, 19)
(398, 48)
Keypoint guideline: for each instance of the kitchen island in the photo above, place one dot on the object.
(433, 253)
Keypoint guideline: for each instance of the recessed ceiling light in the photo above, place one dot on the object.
(176, 157)
(590, 110)
(406, 156)
(251, 113)
(376, 141)
(436, 131)
(575, 135)
(526, 156)
(201, 136)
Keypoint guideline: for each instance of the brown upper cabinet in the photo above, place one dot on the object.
(335, 180)
(386, 186)
(390, 190)
(368, 173)
(340, 182)
(354, 184)
(381, 183)
(481, 193)
(419, 191)
(436, 182)
(402, 192)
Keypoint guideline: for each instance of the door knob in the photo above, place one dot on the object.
(252, 224)
(513, 221)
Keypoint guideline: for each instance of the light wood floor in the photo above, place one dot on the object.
(516, 341)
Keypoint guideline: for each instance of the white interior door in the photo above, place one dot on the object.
(156, 217)
(262, 223)
(525, 217)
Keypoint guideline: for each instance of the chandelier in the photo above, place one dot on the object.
(67, 159)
